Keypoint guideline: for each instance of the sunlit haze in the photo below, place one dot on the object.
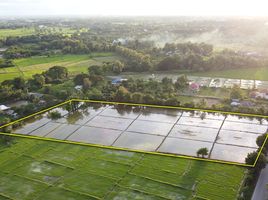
(134, 7)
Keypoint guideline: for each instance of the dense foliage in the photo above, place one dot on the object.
(201, 57)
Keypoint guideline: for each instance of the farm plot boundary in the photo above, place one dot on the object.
(133, 150)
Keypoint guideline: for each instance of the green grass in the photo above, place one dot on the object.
(27, 67)
(34, 169)
(16, 32)
(31, 31)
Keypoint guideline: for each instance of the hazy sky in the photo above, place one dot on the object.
(134, 7)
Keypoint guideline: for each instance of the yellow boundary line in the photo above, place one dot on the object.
(132, 150)
(37, 113)
(121, 149)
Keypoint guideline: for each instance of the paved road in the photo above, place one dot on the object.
(261, 190)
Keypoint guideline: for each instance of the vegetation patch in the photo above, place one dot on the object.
(50, 170)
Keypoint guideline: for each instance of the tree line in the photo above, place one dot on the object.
(39, 44)
(253, 173)
(135, 61)
(201, 57)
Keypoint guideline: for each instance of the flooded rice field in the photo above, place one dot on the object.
(227, 137)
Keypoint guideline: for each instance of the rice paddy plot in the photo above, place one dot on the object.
(46, 129)
(200, 122)
(231, 152)
(195, 133)
(63, 131)
(249, 120)
(205, 115)
(138, 141)
(97, 136)
(123, 113)
(33, 126)
(184, 146)
(227, 137)
(237, 138)
(159, 117)
(150, 127)
(245, 127)
(110, 122)
(67, 171)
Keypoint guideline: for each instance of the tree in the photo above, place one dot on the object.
(94, 94)
(86, 83)
(117, 67)
(95, 70)
(54, 115)
(97, 80)
(236, 93)
(168, 63)
(260, 140)
(168, 85)
(136, 97)
(19, 83)
(251, 158)
(148, 99)
(56, 73)
(79, 79)
(6, 63)
(167, 81)
(146, 64)
(136, 61)
(121, 94)
(203, 152)
(181, 82)
(39, 80)
(202, 103)
(26, 109)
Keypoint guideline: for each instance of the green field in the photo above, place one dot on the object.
(31, 31)
(16, 32)
(34, 169)
(26, 67)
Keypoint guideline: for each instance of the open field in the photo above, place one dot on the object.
(31, 31)
(27, 67)
(16, 32)
(34, 169)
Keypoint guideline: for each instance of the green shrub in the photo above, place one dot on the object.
(54, 115)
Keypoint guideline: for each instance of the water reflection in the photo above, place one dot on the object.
(145, 128)
(72, 118)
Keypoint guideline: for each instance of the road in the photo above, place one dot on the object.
(261, 189)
